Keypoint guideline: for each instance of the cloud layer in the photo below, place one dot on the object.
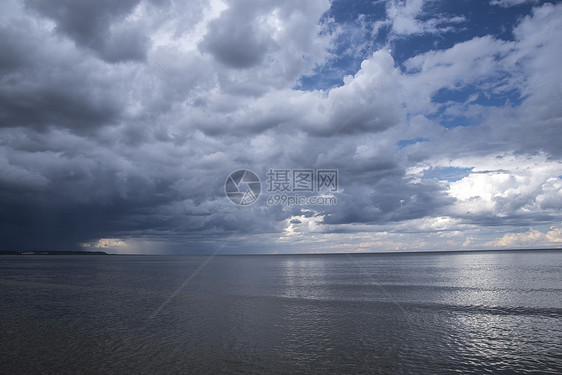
(120, 122)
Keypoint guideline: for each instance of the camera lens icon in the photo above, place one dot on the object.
(242, 187)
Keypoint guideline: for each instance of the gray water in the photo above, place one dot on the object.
(494, 312)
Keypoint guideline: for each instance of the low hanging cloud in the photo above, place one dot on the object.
(531, 238)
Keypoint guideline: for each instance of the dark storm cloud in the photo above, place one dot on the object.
(389, 200)
(96, 25)
(235, 43)
(36, 220)
(58, 194)
(70, 107)
(246, 32)
(235, 38)
(15, 53)
(40, 88)
(60, 190)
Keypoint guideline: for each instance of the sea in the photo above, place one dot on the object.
(494, 312)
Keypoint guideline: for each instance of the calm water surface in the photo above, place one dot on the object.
(494, 312)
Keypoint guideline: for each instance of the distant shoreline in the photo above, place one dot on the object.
(53, 253)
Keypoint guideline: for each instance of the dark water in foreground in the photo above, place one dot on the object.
(431, 313)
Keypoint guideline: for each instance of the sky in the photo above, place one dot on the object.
(123, 123)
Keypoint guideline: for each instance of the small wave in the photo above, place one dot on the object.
(551, 312)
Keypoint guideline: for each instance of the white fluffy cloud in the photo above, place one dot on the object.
(531, 238)
(409, 17)
(507, 186)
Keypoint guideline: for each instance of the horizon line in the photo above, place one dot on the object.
(101, 252)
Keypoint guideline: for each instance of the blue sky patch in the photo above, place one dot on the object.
(450, 174)
(407, 142)
(474, 94)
